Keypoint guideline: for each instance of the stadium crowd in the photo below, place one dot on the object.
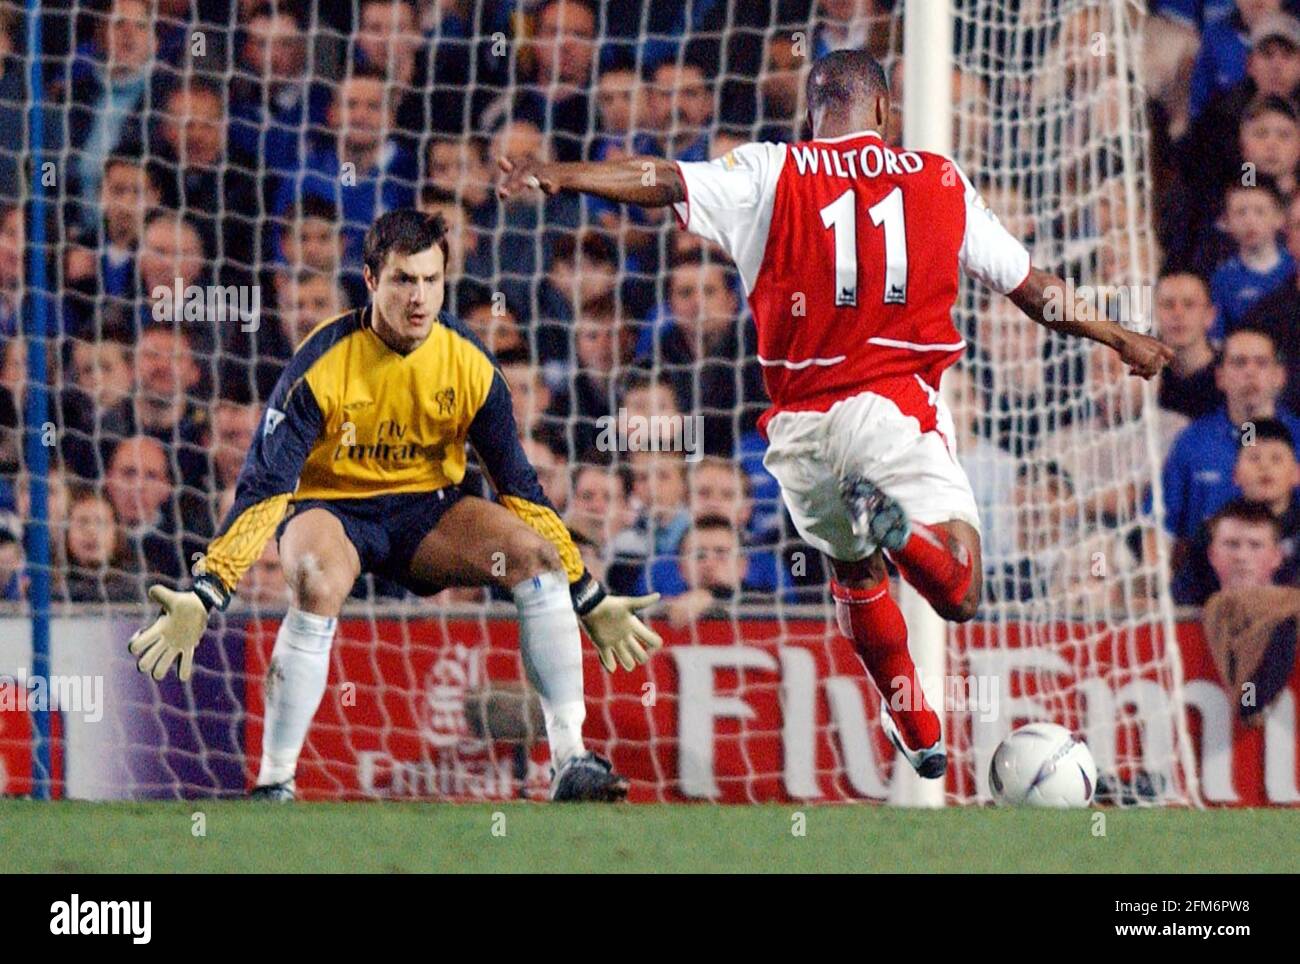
(232, 154)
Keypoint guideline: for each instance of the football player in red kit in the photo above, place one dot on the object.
(850, 251)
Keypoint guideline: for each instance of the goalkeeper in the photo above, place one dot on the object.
(356, 468)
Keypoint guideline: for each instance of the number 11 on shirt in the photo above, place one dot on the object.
(841, 215)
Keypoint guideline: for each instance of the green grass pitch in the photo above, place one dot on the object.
(74, 837)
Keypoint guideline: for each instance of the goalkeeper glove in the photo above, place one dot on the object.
(177, 632)
(612, 624)
(619, 634)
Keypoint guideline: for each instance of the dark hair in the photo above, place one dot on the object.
(1183, 273)
(403, 231)
(128, 158)
(1269, 104)
(712, 522)
(273, 8)
(730, 130)
(171, 214)
(432, 193)
(312, 206)
(593, 245)
(727, 465)
(1263, 182)
(1270, 430)
(580, 540)
(604, 308)
(556, 446)
(182, 218)
(704, 258)
(474, 142)
(80, 490)
(200, 84)
(638, 378)
(704, 53)
(515, 356)
(232, 388)
(1048, 469)
(591, 7)
(1249, 330)
(843, 78)
(693, 60)
(603, 462)
(361, 72)
(1244, 510)
(475, 298)
(178, 332)
(306, 276)
(405, 3)
(616, 61)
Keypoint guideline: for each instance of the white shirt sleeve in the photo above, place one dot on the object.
(729, 201)
(989, 252)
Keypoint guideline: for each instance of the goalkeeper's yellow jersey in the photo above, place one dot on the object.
(350, 418)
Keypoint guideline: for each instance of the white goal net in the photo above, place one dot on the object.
(213, 174)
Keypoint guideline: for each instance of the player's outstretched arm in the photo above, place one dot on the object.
(1143, 354)
(647, 181)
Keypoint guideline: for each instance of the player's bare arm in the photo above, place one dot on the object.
(647, 181)
(1143, 354)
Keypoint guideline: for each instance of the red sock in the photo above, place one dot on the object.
(872, 619)
(940, 574)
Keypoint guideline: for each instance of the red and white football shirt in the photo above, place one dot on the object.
(849, 252)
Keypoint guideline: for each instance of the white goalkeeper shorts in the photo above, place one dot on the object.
(809, 453)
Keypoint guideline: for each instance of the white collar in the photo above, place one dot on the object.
(847, 137)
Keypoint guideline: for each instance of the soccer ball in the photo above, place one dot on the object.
(1042, 765)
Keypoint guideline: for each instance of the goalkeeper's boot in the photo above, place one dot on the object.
(884, 517)
(588, 777)
(930, 763)
(274, 793)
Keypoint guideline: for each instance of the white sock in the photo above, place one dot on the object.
(552, 649)
(295, 685)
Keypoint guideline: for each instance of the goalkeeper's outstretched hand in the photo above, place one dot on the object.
(617, 632)
(174, 634)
